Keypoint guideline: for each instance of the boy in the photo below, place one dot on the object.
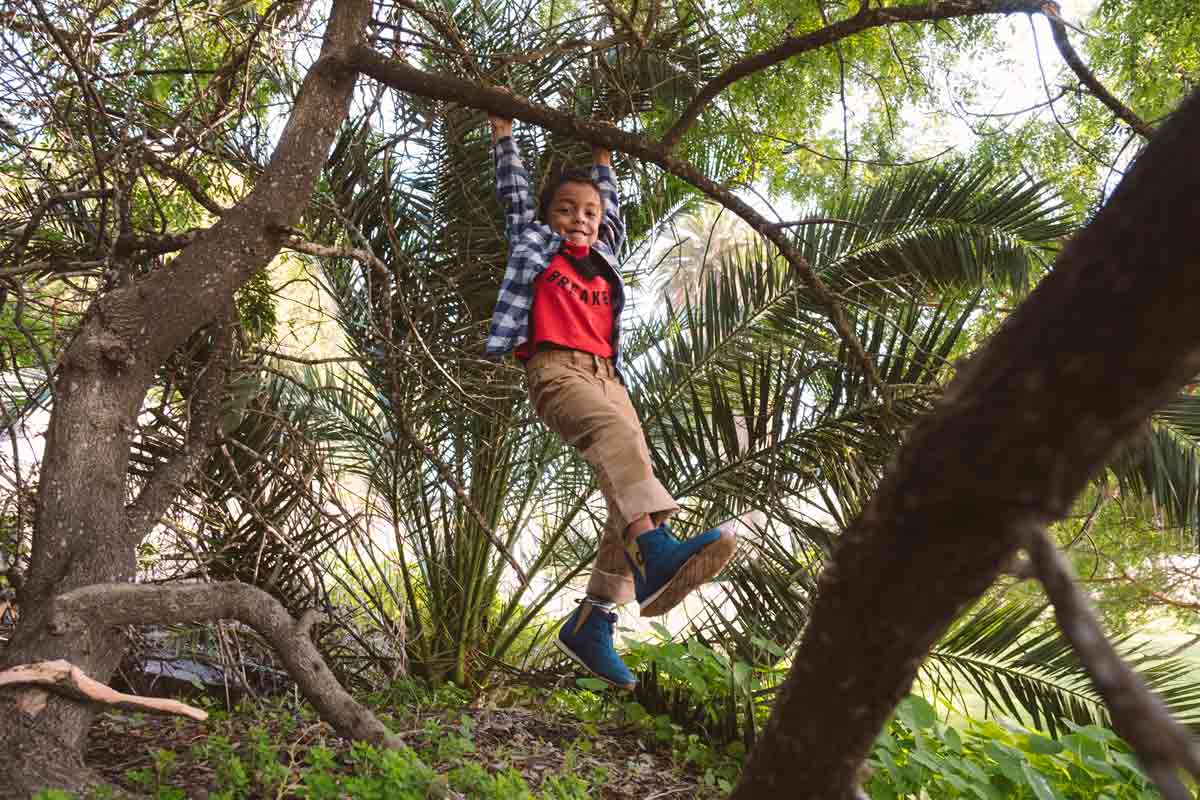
(559, 311)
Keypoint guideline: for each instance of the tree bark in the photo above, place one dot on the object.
(1105, 338)
(126, 604)
(81, 535)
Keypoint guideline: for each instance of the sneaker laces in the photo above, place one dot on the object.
(609, 616)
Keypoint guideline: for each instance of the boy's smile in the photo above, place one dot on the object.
(575, 213)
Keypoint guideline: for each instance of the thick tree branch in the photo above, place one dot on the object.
(131, 331)
(865, 19)
(204, 415)
(117, 604)
(406, 78)
(63, 677)
(1074, 371)
(168, 305)
(1058, 29)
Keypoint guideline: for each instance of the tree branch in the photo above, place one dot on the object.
(1162, 744)
(204, 421)
(325, 251)
(1058, 30)
(865, 19)
(1073, 372)
(63, 677)
(165, 307)
(117, 604)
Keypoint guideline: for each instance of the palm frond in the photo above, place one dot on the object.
(1163, 466)
(952, 227)
(1036, 677)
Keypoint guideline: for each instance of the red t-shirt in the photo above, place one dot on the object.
(569, 310)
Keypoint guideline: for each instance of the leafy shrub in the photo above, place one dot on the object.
(918, 756)
(702, 689)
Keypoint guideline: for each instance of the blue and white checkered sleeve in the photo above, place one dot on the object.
(612, 230)
(512, 187)
(510, 318)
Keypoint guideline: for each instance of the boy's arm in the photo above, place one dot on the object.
(512, 181)
(612, 229)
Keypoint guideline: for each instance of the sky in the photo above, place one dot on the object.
(1015, 82)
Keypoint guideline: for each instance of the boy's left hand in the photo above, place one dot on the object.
(501, 127)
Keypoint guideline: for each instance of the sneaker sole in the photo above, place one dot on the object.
(698, 569)
(571, 655)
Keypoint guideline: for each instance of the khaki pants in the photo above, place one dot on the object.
(579, 397)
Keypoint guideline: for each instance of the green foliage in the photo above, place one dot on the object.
(701, 690)
(717, 761)
(1145, 53)
(917, 755)
(1163, 465)
(155, 782)
(754, 408)
(474, 781)
(999, 656)
(255, 302)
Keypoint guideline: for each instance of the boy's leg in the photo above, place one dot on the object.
(594, 414)
(665, 570)
(612, 579)
(572, 403)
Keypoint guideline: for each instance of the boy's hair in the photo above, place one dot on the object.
(552, 186)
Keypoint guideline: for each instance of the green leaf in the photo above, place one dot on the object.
(1038, 783)
(160, 87)
(742, 673)
(1008, 759)
(1040, 744)
(916, 713)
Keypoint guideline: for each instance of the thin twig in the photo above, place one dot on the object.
(1058, 29)
(1037, 51)
(1161, 743)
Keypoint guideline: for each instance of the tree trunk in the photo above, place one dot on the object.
(1106, 337)
(82, 534)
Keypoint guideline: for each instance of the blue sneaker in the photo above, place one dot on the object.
(587, 637)
(665, 569)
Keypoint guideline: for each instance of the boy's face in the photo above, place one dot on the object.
(575, 213)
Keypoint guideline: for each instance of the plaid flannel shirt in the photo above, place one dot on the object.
(532, 244)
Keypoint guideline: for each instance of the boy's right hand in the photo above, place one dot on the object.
(501, 127)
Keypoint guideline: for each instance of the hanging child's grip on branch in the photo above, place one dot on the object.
(502, 126)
